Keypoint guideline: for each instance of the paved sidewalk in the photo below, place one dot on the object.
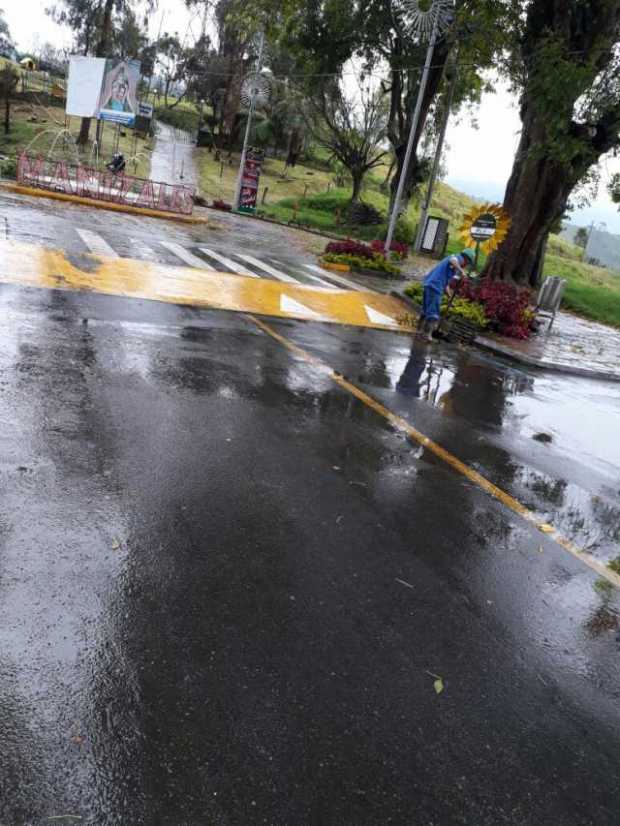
(573, 345)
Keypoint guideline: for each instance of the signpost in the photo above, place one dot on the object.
(249, 181)
(482, 230)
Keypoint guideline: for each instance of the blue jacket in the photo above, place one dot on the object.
(439, 278)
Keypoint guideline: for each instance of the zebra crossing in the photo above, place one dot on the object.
(206, 258)
(149, 267)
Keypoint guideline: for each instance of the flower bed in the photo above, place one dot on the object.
(462, 308)
(360, 257)
(375, 265)
(493, 305)
(398, 249)
(351, 248)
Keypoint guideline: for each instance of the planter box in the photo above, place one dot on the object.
(328, 265)
(375, 273)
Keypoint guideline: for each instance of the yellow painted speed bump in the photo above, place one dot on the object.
(36, 266)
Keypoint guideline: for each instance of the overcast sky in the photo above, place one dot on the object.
(478, 160)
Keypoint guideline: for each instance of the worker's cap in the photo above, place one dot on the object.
(469, 256)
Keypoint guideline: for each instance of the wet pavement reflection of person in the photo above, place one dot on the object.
(421, 376)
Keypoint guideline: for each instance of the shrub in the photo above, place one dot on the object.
(400, 249)
(350, 247)
(404, 230)
(377, 263)
(361, 213)
(8, 168)
(506, 306)
(472, 311)
(181, 117)
(415, 291)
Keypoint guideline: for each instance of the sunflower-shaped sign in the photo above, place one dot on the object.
(485, 226)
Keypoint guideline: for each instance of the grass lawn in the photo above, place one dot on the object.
(218, 180)
(592, 292)
(38, 126)
(183, 116)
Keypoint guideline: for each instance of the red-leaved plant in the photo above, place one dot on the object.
(350, 247)
(401, 249)
(506, 306)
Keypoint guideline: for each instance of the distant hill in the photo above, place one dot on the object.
(602, 245)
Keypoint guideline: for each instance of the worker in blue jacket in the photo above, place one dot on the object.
(436, 283)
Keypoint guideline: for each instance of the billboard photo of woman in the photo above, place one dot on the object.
(119, 93)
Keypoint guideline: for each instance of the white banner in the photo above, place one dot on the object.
(84, 86)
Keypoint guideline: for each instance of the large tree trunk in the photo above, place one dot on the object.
(100, 51)
(232, 99)
(82, 138)
(536, 197)
(357, 177)
(556, 151)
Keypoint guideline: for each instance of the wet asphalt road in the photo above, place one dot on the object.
(226, 586)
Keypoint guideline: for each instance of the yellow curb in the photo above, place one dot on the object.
(77, 199)
(328, 265)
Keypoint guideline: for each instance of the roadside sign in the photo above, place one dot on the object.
(145, 110)
(484, 227)
(249, 181)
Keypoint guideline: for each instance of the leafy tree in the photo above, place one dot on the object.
(326, 35)
(170, 63)
(99, 26)
(8, 83)
(51, 58)
(581, 237)
(564, 59)
(6, 42)
(614, 189)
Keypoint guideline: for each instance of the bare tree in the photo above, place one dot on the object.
(352, 127)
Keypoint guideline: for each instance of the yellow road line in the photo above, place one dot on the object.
(450, 459)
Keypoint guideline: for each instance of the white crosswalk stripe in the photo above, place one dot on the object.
(325, 284)
(375, 317)
(281, 276)
(142, 250)
(97, 244)
(337, 279)
(185, 255)
(230, 265)
(289, 305)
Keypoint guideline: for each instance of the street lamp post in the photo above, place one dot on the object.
(253, 94)
(432, 21)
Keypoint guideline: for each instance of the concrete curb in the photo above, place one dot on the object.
(76, 199)
(491, 346)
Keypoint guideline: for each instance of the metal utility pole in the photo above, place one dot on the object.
(248, 126)
(438, 150)
(412, 133)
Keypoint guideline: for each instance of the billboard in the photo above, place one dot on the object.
(103, 88)
(84, 86)
(119, 92)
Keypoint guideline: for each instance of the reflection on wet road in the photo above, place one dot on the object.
(226, 585)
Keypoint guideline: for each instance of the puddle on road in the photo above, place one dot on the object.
(514, 428)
